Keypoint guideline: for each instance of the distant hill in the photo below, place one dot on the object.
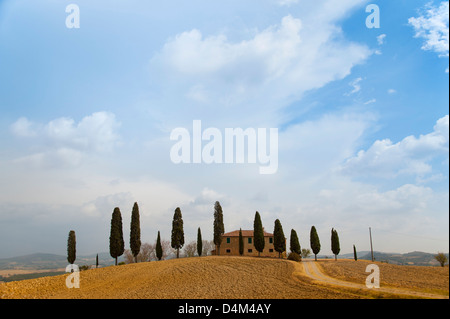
(415, 258)
(41, 261)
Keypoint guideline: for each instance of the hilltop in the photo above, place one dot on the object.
(220, 277)
(45, 261)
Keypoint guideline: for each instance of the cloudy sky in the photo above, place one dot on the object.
(361, 113)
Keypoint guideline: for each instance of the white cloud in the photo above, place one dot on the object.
(207, 197)
(319, 146)
(355, 84)
(256, 76)
(23, 128)
(380, 39)
(287, 2)
(64, 143)
(432, 25)
(392, 91)
(410, 156)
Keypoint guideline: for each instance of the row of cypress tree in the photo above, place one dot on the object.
(279, 239)
(116, 242)
(117, 245)
(315, 242)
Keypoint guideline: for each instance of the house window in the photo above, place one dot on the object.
(250, 250)
(270, 240)
(228, 240)
(228, 251)
(249, 240)
(270, 250)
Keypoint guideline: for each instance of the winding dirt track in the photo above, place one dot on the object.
(313, 272)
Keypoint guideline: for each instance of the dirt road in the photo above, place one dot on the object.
(312, 271)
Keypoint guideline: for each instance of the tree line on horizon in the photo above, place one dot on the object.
(117, 244)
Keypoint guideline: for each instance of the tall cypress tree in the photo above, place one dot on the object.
(199, 242)
(294, 243)
(241, 243)
(258, 234)
(335, 247)
(279, 241)
(135, 232)
(159, 251)
(116, 243)
(314, 241)
(355, 256)
(219, 228)
(71, 247)
(177, 231)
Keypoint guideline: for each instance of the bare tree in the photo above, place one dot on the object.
(305, 253)
(190, 249)
(146, 251)
(207, 247)
(128, 256)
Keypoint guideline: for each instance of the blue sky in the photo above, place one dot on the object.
(86, 116)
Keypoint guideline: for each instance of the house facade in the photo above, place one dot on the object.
(230, 244)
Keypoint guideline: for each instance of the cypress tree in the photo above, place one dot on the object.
(71, 247)
(294, 243)
(335, 248)
(159, 251)
(116, 243)
(354, 253)
(135, 232)
(241, 243)
(177, 231)
(199, 242)
(314, 241)
(219, 228)
(96, 261)
(258, 234)
(279, 241)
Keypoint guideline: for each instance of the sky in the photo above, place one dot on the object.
(360, 111)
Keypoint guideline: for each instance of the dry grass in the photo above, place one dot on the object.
(206, 277)
(419, 278)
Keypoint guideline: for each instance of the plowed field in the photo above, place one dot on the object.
(211, 277)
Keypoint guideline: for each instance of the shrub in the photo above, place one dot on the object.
(294, 256)
(84, 267)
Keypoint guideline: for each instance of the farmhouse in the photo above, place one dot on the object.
(230, 244)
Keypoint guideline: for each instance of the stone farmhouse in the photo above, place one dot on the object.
(230, 245)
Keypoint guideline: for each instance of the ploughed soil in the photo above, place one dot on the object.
(212, 277)
(425, 279)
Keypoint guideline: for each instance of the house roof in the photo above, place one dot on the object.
(245, 233)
